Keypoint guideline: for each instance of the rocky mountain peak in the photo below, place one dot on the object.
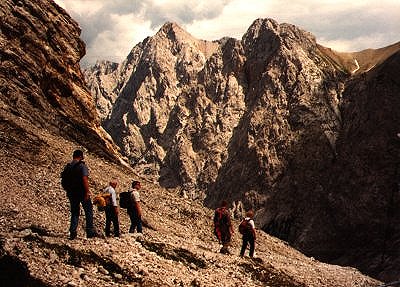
(287, 33)
(178, 39)
(262, 122)
(261, 26)
(173, 31)
(46, 113)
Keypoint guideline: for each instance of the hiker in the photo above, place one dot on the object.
(111, 209)
(75, 181)
(248, 233)
(223, 226)
(134, 210)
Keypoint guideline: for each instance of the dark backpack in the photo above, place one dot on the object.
(245, 227)
(125, 199)
(71, 178)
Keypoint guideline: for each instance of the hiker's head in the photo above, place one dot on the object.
(78, 154)
(250, 213)
(113, 183)
(224, 203)
(135, 184)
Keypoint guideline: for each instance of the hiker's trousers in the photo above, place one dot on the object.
(248, 240)
(75, 211)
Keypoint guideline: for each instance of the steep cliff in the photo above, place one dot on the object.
(46, 113)
(201, 106)
(40, 77)
(264, 122)
(364, 185)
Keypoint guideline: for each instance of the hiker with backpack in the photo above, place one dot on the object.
(111, 209)
(134, 209)
(75, 181)
(223, 227)
(248, 231)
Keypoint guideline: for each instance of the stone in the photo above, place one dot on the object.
(46, 112)
(274, 121)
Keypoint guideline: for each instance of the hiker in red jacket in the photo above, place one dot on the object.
(223, 226)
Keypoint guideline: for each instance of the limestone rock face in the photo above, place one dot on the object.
(367, 171)
(40, 77)
(202, 111)
(45, 113)
(200, 107)
(99, 77)
(266, 122)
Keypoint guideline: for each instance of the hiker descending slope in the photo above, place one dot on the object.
(248, 231)
(74, 179)
(223, 226)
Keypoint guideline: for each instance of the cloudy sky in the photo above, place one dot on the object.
(111, 28)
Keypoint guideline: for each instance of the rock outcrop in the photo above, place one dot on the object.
(40, 76)
(267, 122)
(46, 113)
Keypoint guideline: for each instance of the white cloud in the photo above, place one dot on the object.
(235, 19)
(81, 7)
(60, 3)
(111, 28)
(115, 44)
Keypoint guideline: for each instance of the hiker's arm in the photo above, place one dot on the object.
(138, 208)
(253, 229)
(86, 187)
(116, 210)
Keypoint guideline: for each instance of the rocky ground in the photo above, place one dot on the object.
(177, 247)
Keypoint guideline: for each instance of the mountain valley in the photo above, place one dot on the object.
(304, 135)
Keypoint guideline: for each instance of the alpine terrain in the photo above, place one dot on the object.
(197, 122)
(304, 135)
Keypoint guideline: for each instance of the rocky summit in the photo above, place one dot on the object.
(192, 114)
(303, 134)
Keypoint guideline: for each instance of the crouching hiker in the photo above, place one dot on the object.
(248, 231)
(223, 227)
(111, 209)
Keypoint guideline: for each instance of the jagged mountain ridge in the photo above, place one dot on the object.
(177, 247)
(260, 122)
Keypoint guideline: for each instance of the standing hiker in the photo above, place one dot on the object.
(74, 180)
(134, 210)
(111, 209)
(248, 231)
(223, 226)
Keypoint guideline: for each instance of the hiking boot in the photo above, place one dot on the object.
(224, 250)
(92, 234)
(72, 235)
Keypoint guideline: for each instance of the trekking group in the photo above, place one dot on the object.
(74, 179)
(223, 230)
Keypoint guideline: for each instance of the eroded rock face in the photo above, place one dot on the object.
(199, 107)
(205, 112)
(40, 77)
(263, 122)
